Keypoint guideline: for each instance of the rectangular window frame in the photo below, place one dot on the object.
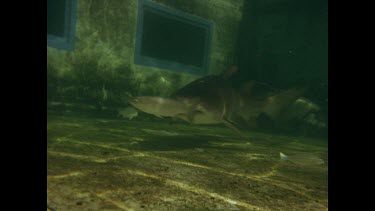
(66, 42)
(179, 16)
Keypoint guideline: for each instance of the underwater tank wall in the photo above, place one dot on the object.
(285, 43)
(102, 64)
(116, 142)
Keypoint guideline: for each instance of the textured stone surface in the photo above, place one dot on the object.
(105, 164)
(104, 50)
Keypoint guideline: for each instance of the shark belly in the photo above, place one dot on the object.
(158, 106)
(207, 118)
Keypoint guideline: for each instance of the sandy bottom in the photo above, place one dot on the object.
(106, 164)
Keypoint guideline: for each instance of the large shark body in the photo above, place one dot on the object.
(213, 100)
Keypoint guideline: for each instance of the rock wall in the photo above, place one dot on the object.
(102, 64)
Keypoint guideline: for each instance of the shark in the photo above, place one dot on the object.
(213, 99)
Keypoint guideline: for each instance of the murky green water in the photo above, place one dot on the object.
(187, 105)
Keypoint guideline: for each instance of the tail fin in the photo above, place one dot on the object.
(280, 101)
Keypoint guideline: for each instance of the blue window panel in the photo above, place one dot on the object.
(61, 23)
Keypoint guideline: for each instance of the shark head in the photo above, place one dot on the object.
(159, 106)
(187, 109)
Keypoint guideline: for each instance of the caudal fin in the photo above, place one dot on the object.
(275, 104)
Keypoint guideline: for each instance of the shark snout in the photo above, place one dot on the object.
(133, 101)
(143, 102)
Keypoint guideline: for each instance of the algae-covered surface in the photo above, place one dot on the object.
(112, 164)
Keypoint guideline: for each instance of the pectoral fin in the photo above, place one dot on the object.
(190, 115)
(231, 126)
